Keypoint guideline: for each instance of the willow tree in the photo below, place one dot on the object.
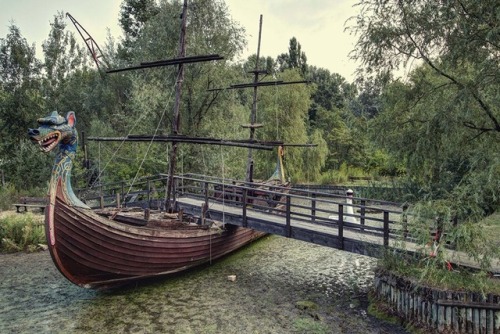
(284, 112)
(444, 122)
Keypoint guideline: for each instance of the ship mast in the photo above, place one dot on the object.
(253, 115)
(176, 119)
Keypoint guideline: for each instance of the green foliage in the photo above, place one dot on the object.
(433, 272)
(8, 196)
(332, 91)
(21, 232)
(443, 123)
(28, 168)
(295, 58)
(20, 97)
(283, 111)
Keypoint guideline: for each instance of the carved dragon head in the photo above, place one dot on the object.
(53, 130)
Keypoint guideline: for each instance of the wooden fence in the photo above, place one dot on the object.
(441, 311)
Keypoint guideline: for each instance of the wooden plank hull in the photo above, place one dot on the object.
(95, 252)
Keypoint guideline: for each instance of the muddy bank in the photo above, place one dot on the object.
(282, 286)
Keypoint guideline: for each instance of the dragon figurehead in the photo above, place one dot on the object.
(57, 131)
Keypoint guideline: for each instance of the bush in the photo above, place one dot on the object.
(21, 232)
(8, 196)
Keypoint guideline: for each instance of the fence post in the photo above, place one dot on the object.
(123, 193)
(149, 193)
(405, 220)
(386, 228)
(205, 190)
(313, 208)
(341, 226)
(244, 202)
(362, 213)
(288, 216)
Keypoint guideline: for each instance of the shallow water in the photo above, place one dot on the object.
(282, 286)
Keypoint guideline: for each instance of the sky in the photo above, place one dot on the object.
(318, 25)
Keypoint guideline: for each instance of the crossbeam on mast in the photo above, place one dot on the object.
(169, 62)
(261, 145)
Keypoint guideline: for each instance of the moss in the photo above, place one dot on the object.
(310, 326)
(306, 305)
(381, 310)
(384, 312)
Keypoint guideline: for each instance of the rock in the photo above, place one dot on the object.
(43, 247)
(231, 278)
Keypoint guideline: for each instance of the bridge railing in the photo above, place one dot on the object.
(369, 217)
(376, 218)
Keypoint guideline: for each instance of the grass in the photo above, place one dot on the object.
(21, 232)
(432, 272)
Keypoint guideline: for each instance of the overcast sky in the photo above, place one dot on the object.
(318, 25)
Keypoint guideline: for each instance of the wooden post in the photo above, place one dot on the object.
(205, 190)
(175, 117)
(288, 215)
(341, 226)
(123, 192)
(405, 220)
(244, 202)
(313, 208)
(362, 213)
(149, 193)
(118, 204)
(386, 228)
(253, 115)
(147, 213)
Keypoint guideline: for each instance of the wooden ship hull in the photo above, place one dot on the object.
(96, 252)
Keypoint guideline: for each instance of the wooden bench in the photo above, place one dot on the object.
(31, 202)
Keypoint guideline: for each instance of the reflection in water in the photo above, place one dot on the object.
(282, 286)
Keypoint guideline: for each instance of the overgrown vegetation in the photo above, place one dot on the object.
(434, 134)
(21, 232)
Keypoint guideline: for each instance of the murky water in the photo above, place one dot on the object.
(282, 286)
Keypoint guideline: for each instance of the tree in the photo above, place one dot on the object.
(20, 99)
(295, 58)
(283, 111)
(332, 90)
(209, 31)
(445, 36)
(133, 17)
(63, 57)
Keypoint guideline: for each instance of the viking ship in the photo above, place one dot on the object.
(107, 248)
(93, 251)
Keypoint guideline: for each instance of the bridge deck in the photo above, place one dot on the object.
(353, 238)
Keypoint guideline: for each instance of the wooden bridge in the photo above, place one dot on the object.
(358, 225)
